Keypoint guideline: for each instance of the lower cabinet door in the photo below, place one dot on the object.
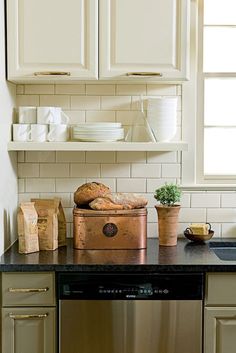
(29, 330)
(220, 330)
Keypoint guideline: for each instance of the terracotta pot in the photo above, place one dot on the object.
(167, 224)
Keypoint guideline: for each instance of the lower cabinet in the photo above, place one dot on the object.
(28, 330)
(29, 323)
(220, 313)
(220, 330)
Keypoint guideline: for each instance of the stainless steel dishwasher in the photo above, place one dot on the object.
(130, 313)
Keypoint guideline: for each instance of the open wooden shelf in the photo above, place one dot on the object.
(98, 146)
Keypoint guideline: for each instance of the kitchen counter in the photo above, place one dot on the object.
(185, 257)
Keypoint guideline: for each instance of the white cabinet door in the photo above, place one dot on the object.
(220, 330)
(51, 39)
(140, 36)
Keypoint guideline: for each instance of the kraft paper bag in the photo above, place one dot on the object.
(27, 219)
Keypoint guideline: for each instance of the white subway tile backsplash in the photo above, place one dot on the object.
(26, 197)
(130, 90)
(131, 157)
(20, 157)
(85, 102)
(21, 185)
(115, 170)
(56, 170)
(131, 185)
(171, 171)
(192, 215)
(20, 89)
(161, 90)
(72, 156)
(48, 174)
(115, 102)
(40, 185)
(222, 215)
(27, 100)
(161, 157)
(100, 157)
(28, 170)
(151, 200)
(100, 90)
(126, 117)
(228, 200)
(146, 170)
(185, 200)
(228, 230)
(85, 170)
(65, 197)
(70, 89)
(68, 214)
(75, 116)
(40, 157)
(62, 101)
(152, 230)
(39, 89)
(152, 215)
(153, 184)
(205, 200)
(68, 184)
(100, 116)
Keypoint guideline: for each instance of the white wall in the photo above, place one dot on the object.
(8, 165)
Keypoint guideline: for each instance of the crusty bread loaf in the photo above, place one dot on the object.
(119, 201)
(90, 191)
(129, 200)
(104, 203)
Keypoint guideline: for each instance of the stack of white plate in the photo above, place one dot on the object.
(162, 117)
(98, 132)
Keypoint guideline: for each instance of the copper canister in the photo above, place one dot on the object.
(113, 229)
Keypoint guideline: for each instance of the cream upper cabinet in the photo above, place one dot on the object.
(58, 40)
(51, 39)
(140, 37)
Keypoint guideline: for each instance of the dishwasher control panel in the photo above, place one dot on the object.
(107, 286)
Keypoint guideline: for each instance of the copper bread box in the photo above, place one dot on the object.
(113, 229)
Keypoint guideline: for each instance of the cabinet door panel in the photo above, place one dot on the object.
(31, 330)
(220, 330)
(53, 35)
(143, 36)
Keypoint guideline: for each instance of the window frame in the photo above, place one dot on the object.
(193, 110)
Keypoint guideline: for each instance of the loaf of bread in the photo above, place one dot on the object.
(90, 191)
(118, 201)
(104, 203)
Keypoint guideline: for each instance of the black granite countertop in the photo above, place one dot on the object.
(185, 257)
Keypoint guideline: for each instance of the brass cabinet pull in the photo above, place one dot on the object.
(28, 290)
(142, 74)
(27, 316)
(52, 73)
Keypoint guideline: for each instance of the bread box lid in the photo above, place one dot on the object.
(82, 212)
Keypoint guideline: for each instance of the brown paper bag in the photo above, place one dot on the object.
(27, 228)
(51, 223)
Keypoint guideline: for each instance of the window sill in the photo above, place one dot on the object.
(208, 187)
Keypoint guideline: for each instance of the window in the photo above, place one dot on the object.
(217, 92)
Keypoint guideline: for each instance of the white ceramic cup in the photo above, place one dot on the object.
(51, 115)
(38, 133)
(27, 115)
(21, 132)
(58, 132)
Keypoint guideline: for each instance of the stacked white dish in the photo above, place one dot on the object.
(98, 132)
(162, 117)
